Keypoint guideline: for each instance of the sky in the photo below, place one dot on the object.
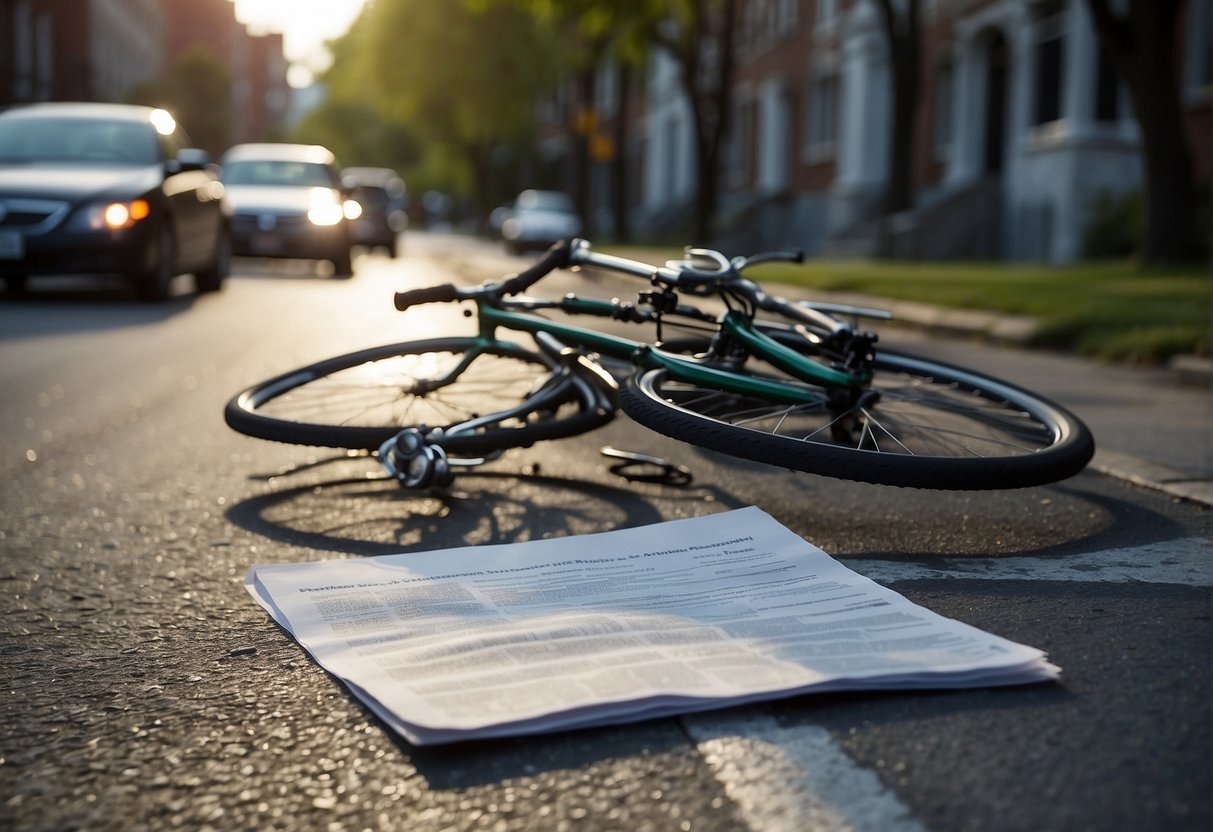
(305, 26)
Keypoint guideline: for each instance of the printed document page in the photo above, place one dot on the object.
(674, 617)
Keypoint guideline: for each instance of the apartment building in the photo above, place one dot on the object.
(1022, 127)
(97, 50)
(78, 50)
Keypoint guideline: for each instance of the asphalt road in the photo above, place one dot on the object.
(145, 690)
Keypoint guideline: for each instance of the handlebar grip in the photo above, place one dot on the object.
(444, 293)
(557, 257)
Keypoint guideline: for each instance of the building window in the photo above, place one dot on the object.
(1198, 58)
(941, 127)
(821, 118)
(1048, 60)
(825, 14)
(789, 17)
(1107, 89)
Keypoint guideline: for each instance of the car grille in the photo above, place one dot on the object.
(32, 216)
(249, 224)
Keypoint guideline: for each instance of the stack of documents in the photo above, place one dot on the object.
(570, 632)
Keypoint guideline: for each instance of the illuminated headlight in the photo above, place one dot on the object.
(113, 216)
(352, 209)
(325, 209)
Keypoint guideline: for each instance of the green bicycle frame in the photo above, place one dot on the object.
(678, 367)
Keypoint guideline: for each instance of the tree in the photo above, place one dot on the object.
(901, 27)
(357, 135)
(698, 36)
(1140, 42)
(197, 90)
(701, 41)
(463, 77)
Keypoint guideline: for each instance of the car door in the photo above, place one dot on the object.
(193, 196)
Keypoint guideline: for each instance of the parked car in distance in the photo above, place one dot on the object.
(539, 218)
(108, 189)
(288, 202)
(381, 194)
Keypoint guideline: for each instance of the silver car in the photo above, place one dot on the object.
(288, 201)
(538, 219)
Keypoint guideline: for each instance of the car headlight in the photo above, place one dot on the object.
(325, 209)
(112, 216)
(352, 209)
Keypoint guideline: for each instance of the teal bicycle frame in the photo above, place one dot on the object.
(678, 367)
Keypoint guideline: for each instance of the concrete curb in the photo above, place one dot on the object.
(1152, 475)
(1192, 370)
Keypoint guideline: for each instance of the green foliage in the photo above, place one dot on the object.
(197, 90)
(1113, 310)
(1116, 226)
(454, 85)
(358, 135)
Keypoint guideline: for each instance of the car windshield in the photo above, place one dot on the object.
(277, 172)
(545, 201)
(26, 140)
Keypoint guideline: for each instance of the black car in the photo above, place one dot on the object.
(288, 201)
(108, 189)
(381, 193)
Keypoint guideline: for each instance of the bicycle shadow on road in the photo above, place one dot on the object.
(375, 516)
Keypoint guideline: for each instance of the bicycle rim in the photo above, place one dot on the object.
(924, 424)
(360, 400)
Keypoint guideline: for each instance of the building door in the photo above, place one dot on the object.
(994, 144)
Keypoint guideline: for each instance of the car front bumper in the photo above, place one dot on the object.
(288, 237)
(126, 251)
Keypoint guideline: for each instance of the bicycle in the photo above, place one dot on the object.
(791, 384)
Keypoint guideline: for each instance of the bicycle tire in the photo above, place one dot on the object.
(935, 426)
(361, 399)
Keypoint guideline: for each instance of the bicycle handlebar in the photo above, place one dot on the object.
(684, 274)
(557, 257)
(444, 293)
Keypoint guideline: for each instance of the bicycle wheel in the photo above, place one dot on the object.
(921, 424)
(360, 400)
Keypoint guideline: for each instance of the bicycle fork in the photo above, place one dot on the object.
(416, 458)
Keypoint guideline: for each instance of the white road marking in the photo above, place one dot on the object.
(1187, 561)
(793, 779)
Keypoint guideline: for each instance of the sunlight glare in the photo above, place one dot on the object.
(305, 24)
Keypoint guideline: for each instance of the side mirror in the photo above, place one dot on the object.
(190, 158)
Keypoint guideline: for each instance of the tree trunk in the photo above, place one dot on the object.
(619, 163)
(1141, 45)
(901, 32)
(711, 105)
(583, 131)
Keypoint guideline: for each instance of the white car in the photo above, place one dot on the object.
(288, 201)
(538, 219)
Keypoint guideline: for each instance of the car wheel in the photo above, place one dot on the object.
(211, 278)
(156, 279)
(343, 264)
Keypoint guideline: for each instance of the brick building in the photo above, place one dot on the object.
(78, 50)
(97, 50)
(1022, 127)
